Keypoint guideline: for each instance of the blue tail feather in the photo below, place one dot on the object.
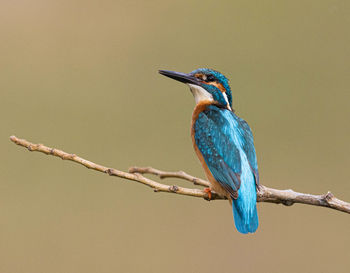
(244, 207)
(245, 221)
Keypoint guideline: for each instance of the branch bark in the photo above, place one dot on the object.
(264, 194)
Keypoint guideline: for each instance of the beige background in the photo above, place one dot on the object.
(82, 76)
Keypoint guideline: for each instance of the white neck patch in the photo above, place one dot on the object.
(226, 99)
(200, 94)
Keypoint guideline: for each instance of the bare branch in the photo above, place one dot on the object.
(289, 197)
(157, 187)
(264, 194)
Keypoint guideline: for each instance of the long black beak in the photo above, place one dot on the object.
(181, 77)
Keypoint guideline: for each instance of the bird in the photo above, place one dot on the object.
(223, 143)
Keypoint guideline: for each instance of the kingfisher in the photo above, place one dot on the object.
(223, 143)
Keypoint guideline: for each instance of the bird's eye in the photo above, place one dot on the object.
(210, 78)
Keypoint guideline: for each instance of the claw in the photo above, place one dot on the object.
(208, 191)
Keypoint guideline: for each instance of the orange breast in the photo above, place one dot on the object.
(200, 107)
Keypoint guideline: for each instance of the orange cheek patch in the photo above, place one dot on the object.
(218, 85)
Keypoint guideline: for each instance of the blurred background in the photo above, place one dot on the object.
(82, 76)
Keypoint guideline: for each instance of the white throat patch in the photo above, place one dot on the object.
(200, 94)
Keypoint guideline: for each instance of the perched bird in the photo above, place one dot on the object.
(223, 143)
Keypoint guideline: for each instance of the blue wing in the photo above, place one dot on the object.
(248, 145)
(220, 135)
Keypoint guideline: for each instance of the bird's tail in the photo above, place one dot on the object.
(245, 216)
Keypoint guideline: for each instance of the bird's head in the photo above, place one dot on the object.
(206, 85)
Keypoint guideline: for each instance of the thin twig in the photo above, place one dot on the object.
(264, 194)
(162, 174)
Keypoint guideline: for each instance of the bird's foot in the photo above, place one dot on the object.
(208, 191)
